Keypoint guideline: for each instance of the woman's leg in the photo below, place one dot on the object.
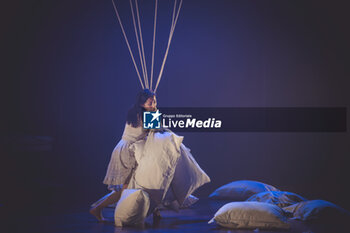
(113, 197)
(101, 199)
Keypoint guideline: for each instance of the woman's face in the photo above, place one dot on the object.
(151, 104)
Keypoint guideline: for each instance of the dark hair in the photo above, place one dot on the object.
(134, 116)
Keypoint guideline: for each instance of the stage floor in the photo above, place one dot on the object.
(193, 219)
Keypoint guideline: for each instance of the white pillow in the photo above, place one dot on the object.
(317, 209)
(241, 190)
(166, 165)
(282, 199)
(188, 176)
(157, 158)
(250, 215)
(132, 208)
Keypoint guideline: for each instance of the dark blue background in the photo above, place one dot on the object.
(68, 75)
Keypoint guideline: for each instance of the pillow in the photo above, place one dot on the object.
(132, 208)
(166, 165)
(241, 190)
(250, 215)
(282, 199)
(157, 158)
(317, 210)
(188, 175)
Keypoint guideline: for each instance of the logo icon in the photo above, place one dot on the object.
(151, 120)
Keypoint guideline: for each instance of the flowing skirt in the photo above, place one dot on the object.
(121, 166)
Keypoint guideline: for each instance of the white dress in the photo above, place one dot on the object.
(122, 162)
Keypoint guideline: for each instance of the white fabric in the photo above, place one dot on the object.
(164, 162)
(174, 205)
(280, 198)
(132, 208)
(250, 215)
(241, 190)
(157, 158)
(315, 209)
(188, 176)
(122, 160)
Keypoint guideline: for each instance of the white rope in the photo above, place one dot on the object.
(172, 29)
(127, 43)
(154, 40)
(138, 42)
(141, 39)
(177, 16)
(173, 17)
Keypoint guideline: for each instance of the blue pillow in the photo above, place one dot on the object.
(317, 210)
(241, 190)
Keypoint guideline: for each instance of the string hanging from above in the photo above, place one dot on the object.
(139, 41)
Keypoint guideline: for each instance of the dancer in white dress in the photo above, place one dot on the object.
(123, 164)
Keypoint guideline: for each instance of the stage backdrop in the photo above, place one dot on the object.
(70, 81)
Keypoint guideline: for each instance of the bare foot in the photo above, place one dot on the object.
(97, 213)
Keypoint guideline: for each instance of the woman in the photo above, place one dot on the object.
(123, 164)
